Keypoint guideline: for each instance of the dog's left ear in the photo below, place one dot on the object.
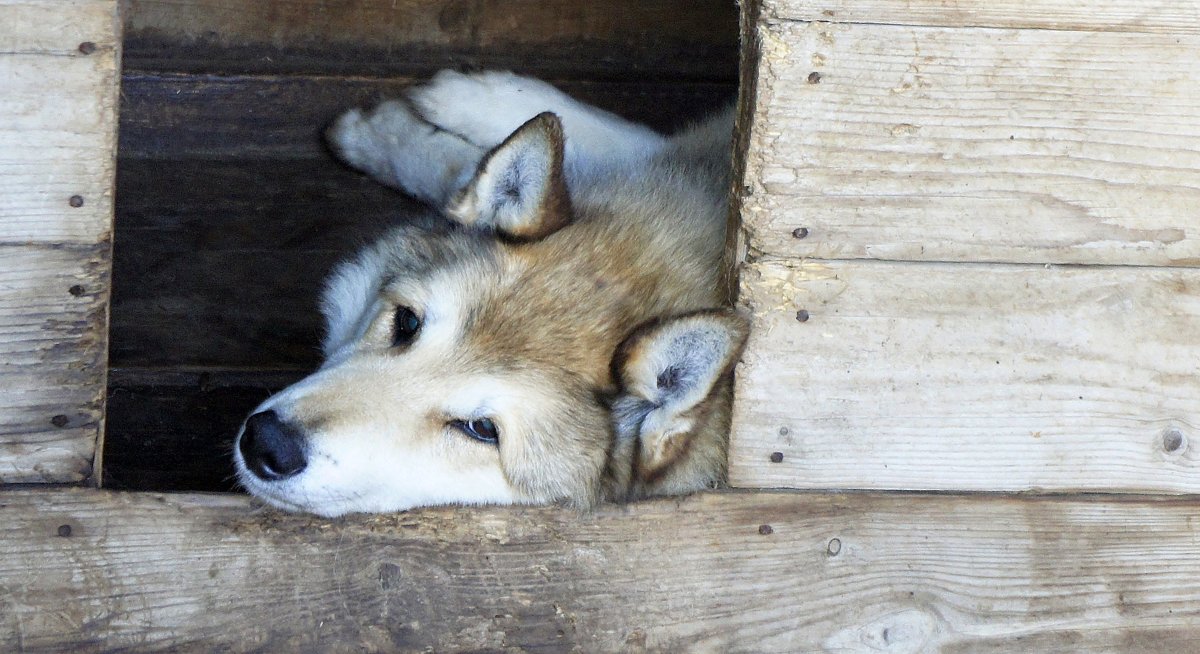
(667, 369)
(519, 189)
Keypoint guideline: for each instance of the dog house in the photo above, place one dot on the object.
(968, 240)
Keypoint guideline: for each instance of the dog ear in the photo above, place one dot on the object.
(667, 369)
(519, 189)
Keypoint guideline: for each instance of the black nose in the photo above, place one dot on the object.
(271, 448)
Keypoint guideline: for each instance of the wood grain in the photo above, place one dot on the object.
(176, 116)
(57, 140)
(859, 573)
(676, 39)
(969, 377)
(55, 27)
(1178, 16)
(935, 144)
(53, 319)
(57, 159)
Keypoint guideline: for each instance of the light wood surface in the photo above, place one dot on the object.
(737, 572)
(1180, 16)
(969, 377)
(58, 75)
(946, 144)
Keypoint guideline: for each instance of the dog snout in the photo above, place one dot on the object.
(272, 449)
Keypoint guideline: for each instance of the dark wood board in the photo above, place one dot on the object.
(611, 39)
(220, 262)
(176, 116)
(95, 571)
(173, 429)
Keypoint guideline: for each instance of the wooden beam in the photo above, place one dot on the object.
(695, 39)
(98, 571)
(1172, 16)
(58, 74)
(968, 377)
(947, 144)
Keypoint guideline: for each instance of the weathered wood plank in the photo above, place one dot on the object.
(675, 38)
(55, 27)
(913, 143)
(52, 333)
(57, 141)
(268, 116)
(1179, 16)
(90, 572)
(969, 377)
(58, 90)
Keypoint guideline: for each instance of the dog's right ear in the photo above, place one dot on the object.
(519, 189)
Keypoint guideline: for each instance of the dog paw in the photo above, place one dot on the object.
(371, 141)
(485, 107)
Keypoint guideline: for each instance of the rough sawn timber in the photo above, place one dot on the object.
(58, 95)
(977, 377)
(1177, 16)
(920, 143)
(98, 571)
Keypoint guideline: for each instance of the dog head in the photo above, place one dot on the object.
(523, 353)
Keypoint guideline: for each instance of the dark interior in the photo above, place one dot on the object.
(229, 211)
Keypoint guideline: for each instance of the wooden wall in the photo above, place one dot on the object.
(723, 572)
(230, 211)
(973, 239)
(58, 66)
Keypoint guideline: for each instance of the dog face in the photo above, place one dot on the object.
(512, 357)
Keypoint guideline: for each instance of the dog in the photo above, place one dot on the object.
(557, 331)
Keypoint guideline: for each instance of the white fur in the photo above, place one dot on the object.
(431, 149)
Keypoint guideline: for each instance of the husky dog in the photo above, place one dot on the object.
(558, 334)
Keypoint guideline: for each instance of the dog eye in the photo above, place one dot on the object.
(405, 326)
(481, 429)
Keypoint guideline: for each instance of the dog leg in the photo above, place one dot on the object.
(484, 108)
(395, 146)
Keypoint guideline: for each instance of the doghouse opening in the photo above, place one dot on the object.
(230, 212)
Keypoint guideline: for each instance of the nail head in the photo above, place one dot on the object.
(76, 201)
(814, 77)
(766, 530)
(60, 420)
(64, 530)
(800, 232)
(87, 47)
(777, 457)
(802, 315)
(1172, 440)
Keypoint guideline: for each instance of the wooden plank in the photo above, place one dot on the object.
(58, 72)
(91, 572)
(57, 141)
(1177, 16)
(267, 116)
(55, 27)
(53, 319)
(934, 144)
(694, 39)
(969, 377)
(173, 429)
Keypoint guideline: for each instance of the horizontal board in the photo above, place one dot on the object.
(933, 144)
(968, 377)
(57, 142)
(173, 429)
(674, 38)
(97, 571)
(57, 27)
(53, 317)
(1181, 16)
(220, 263)
(269, 116)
